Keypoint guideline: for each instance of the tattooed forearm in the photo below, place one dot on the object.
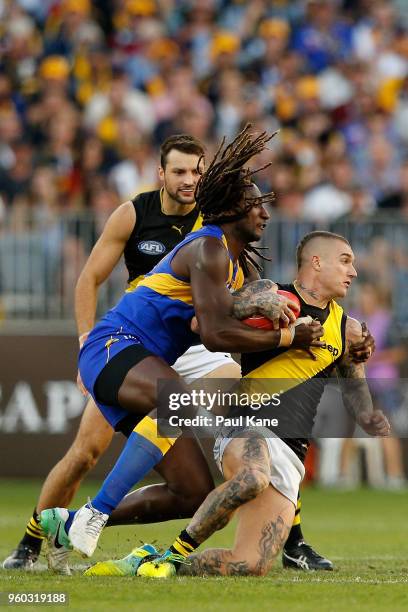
(219, 505)
(258, 297)
(258, 286)
(354, 388)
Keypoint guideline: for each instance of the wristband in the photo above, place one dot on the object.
(287, 335)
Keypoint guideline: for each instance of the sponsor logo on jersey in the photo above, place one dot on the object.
(333, 350)
(151, 247)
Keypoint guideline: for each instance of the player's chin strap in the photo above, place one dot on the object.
(288, 333)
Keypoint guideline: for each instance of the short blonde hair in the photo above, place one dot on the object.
(311, 236)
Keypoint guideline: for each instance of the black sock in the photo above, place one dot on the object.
(295, 535)
(34, 535)
(184, 545)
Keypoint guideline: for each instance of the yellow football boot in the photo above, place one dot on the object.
(162, 567)
(122, 567)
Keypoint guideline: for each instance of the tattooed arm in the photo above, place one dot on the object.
(260, 297)
(364, 348)
(355, 391)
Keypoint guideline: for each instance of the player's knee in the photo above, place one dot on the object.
(191, 499)
(256, 565)
(252, 482)
(257, 569)
(84, 459)
(249, 566)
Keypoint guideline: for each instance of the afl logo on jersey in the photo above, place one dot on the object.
(151, 247)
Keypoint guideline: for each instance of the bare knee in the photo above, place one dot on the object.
(81, 459)
(248, 567)
(257, 569)
(198, 496)
(93, 438)
(191, 498)
(252, 482)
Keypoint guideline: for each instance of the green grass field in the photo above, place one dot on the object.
(365, 533)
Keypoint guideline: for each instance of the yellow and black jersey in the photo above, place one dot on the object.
(305, 377)
(155, 234)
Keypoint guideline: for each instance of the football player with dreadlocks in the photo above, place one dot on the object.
(134, 344)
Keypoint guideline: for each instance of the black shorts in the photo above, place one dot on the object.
(110, 379)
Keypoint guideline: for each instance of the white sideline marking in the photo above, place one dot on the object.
(356, 580)
(382, 558)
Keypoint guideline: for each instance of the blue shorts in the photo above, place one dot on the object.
(102, 345)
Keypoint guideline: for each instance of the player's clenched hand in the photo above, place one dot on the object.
(279, 309)
(360, 352)
(307, 335)
(374, 423)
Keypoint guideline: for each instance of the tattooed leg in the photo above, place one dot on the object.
(247, 466)
(263, 527)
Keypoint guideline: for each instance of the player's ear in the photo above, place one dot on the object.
(161, 173)
(316, 262)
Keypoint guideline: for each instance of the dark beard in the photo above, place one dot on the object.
(175, 197)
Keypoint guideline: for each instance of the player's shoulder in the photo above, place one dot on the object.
(206, 253)
(207, 245)
(146, 199)
(353, 329)
(122, 221)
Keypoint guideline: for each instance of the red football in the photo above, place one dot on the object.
(262, 322)
(258, 321)
(293, 297)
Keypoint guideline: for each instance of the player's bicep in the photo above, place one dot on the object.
(208, 275)
(354, 331)
(346, 367)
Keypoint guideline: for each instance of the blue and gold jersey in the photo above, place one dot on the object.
(160, 309)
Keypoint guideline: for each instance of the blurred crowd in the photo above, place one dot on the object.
(89, 89)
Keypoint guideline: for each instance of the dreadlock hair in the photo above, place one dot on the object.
(220, 192)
